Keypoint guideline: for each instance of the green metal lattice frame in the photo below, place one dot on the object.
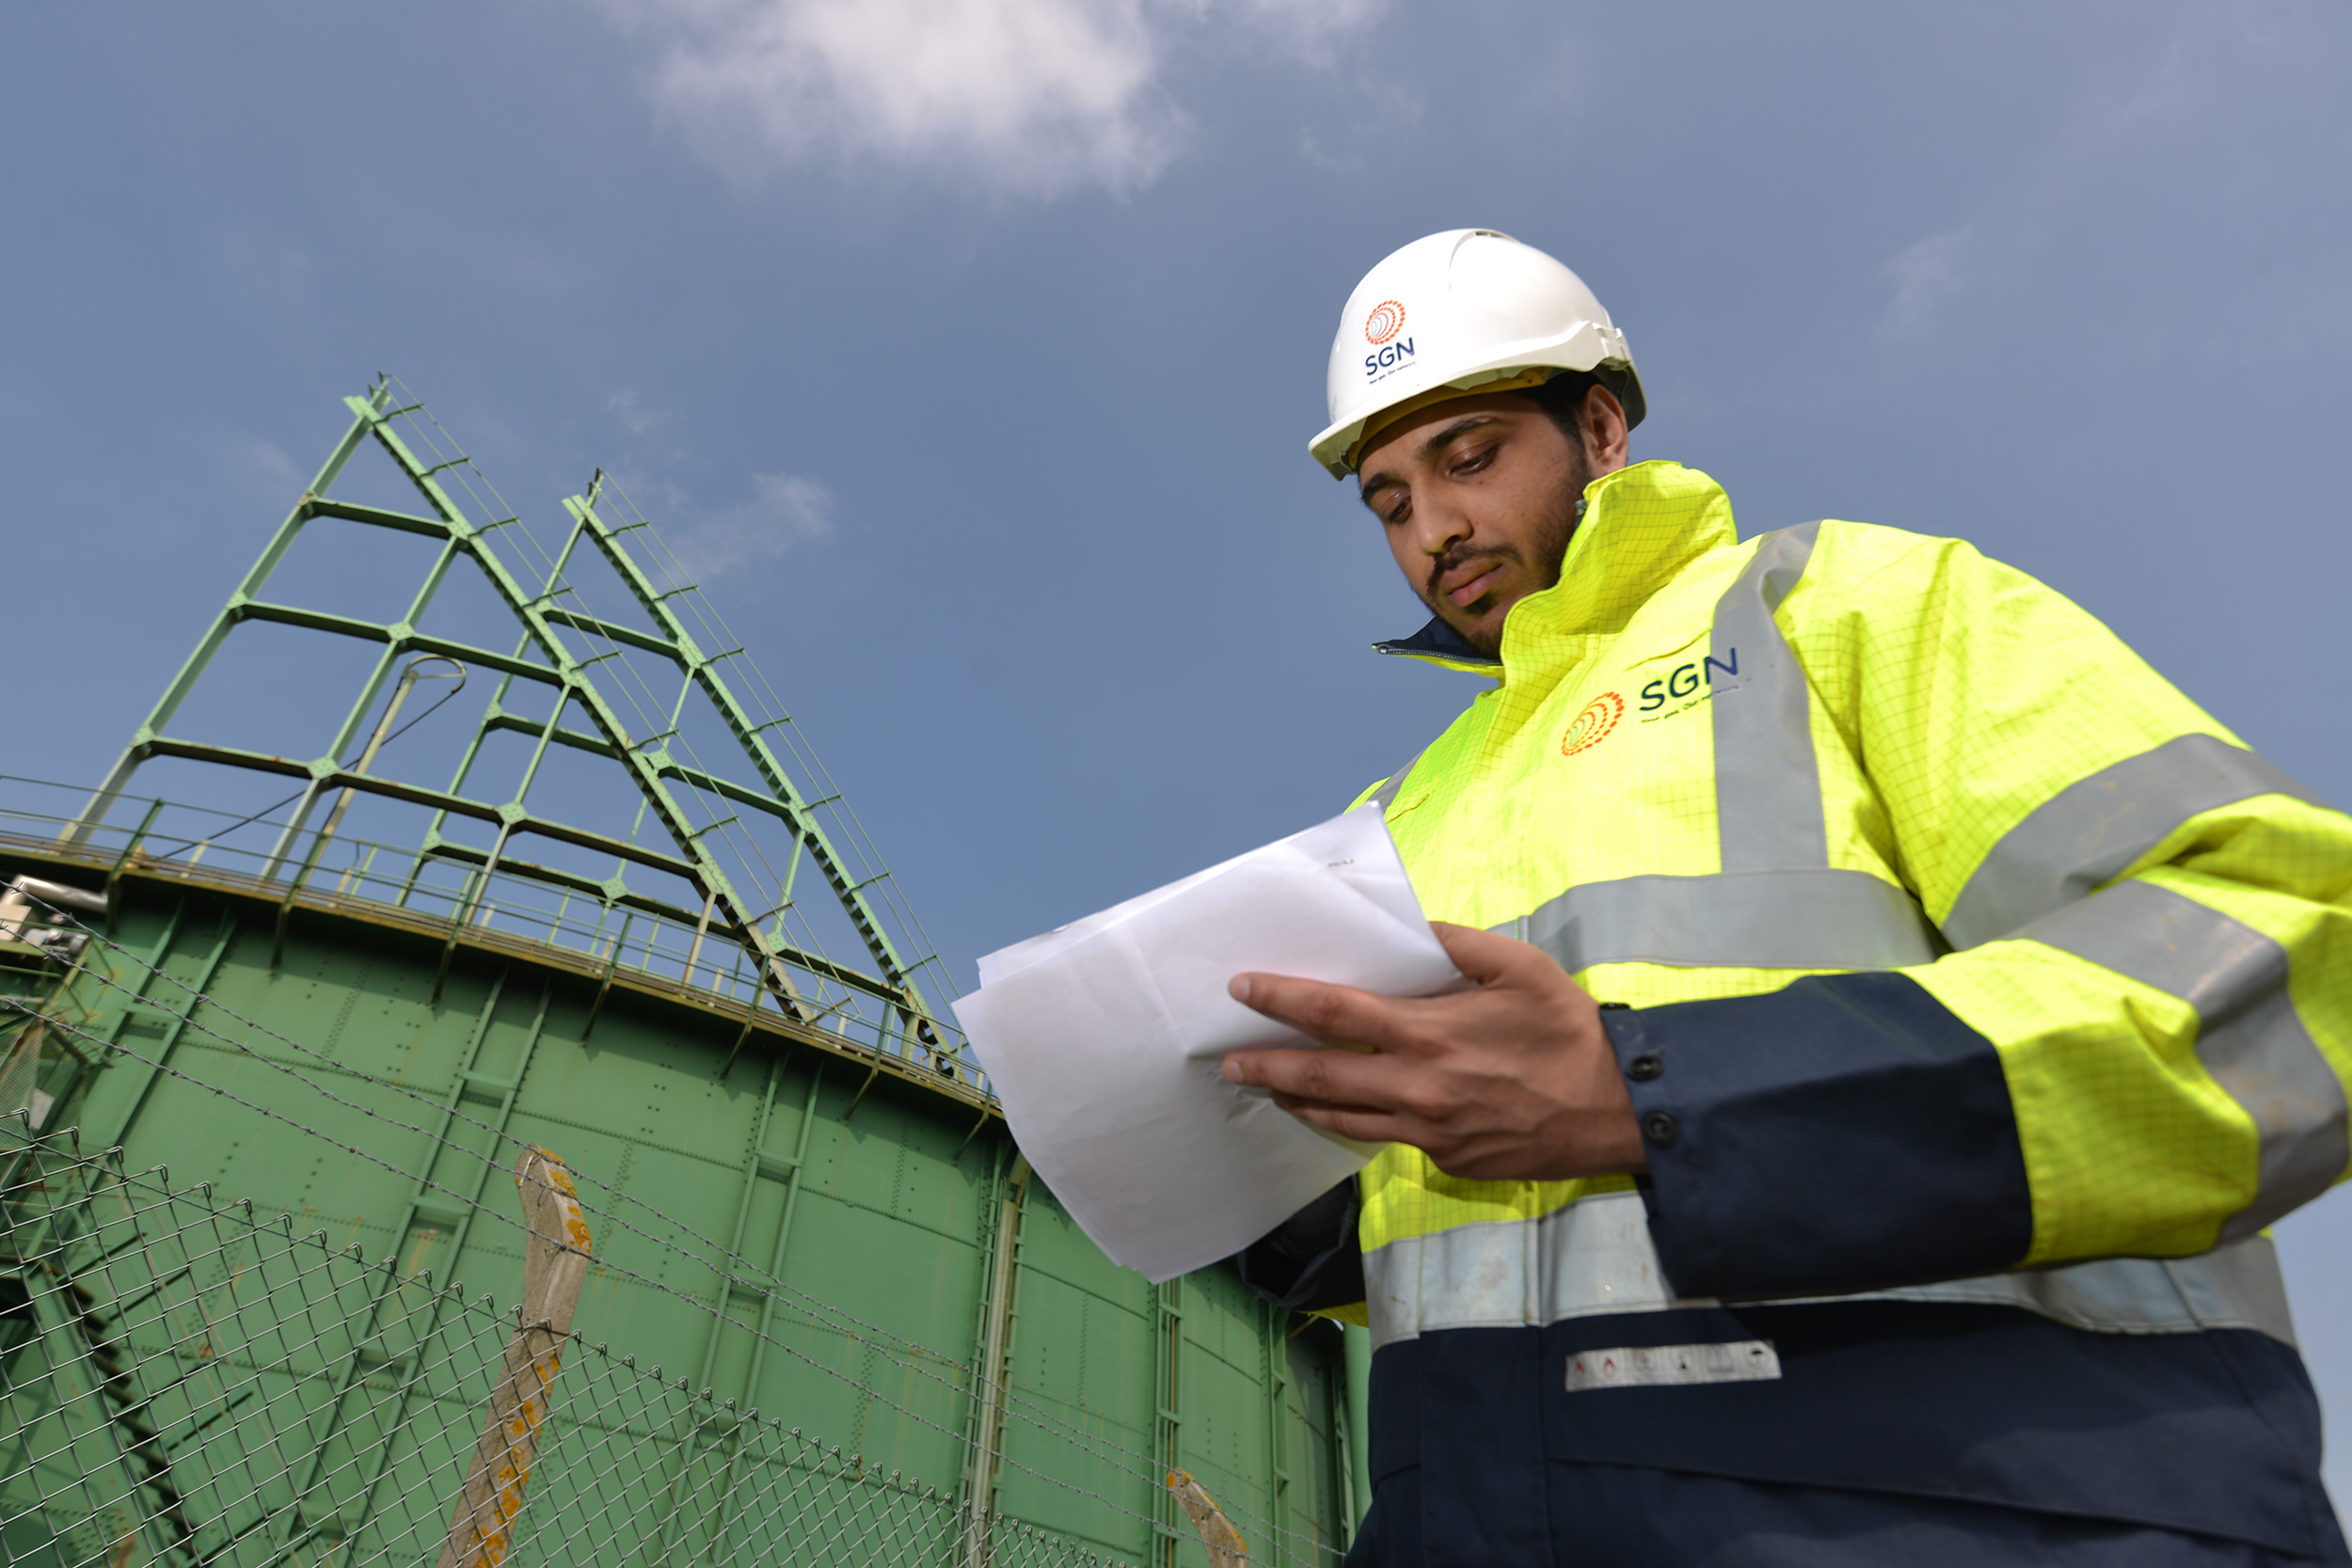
(566, 677)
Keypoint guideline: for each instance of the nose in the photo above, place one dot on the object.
(1437, 527)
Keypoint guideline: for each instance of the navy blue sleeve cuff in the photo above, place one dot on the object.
(1847, 1132)
(1311, 1261)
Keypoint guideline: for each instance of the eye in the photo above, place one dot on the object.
(1474, 459)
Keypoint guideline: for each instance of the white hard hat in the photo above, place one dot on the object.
(1464, 309)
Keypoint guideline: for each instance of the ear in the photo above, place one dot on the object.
(1601, 418)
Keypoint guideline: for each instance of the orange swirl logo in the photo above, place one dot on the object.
(1386, 321)
(1591, 727)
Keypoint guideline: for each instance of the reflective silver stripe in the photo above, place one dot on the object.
(1767, 782)
(1664, 1366)
(1382, 798)
(1777, 904)
(2089, 832)
(2249, 1037)
(2237, 1285)
(1594, 1259)
(1750, 920)
(1591, 1258)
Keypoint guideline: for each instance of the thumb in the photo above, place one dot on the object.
(1484, 956)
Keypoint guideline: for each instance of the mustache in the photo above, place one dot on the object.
(1459, 556)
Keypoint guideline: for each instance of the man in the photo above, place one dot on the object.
(1968, 1002)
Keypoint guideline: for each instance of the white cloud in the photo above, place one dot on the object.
(634, 415)
(2073, 241)
(784, 510)
(280, 479)
(1023, 97)
(800, 506)
(1306, 29)
(1311, 148)
(1925, 275)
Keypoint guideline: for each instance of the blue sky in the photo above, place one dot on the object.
(975, 363)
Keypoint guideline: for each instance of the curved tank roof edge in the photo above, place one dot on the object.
(367, 911)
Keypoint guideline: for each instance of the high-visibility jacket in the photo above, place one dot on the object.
(1982, 999)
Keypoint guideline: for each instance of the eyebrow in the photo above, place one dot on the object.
(1432, 444)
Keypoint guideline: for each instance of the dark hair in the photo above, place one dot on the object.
(1561, 397)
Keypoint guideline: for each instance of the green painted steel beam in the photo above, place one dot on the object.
(102, 801)
(791, 813)
(801, 1237)
(574, 738)
(749, 736)
(532, 609)
(1357, 1360)
(784, 811)
(399, 637)
(796, 957)
(548, 653)
(376, 516)
(570, 881)
(613, 632)
(418, 795)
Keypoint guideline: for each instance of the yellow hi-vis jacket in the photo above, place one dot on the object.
(1963, 974)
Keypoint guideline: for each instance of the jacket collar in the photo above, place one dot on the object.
(1439, 644)
(1643, 524)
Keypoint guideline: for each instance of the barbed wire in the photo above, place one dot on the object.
(816, 1309)
(489, 1321)
(603, 1264)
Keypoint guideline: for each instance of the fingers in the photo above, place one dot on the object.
(1335, 1015)
(1334, 1078)
(1508, 1079)
(1364, 1126)
(1503, 965)
(1333, 1089)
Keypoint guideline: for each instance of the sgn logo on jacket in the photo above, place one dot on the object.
(1683, 683)
(1591, 727)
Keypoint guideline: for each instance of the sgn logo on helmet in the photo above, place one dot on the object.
(1489, 305)
(1380, 330)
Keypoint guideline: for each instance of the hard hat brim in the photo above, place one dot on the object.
(1587, 346)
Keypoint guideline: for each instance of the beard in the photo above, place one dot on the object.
(1553, 531)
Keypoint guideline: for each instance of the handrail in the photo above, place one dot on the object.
(520, 907)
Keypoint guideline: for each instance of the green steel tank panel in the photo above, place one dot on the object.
(354, 1004)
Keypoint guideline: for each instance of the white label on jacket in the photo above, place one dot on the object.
(1651, 1365)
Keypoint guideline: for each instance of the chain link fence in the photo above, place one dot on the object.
(185, 1380)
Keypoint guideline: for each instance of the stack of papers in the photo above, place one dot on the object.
(1104, 1038)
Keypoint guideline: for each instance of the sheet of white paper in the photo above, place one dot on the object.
(1104, 1040)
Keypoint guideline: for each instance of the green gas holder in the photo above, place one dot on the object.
(452, 842)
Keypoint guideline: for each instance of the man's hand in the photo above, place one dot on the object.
(1510, 1081)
